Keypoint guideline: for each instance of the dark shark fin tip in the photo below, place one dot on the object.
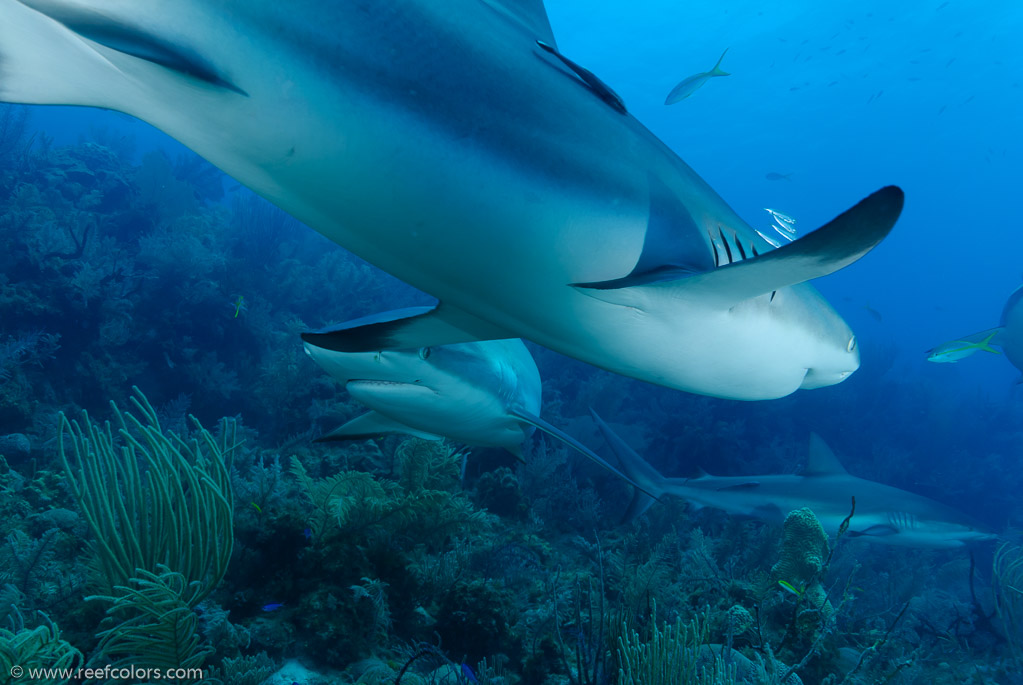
(833, 246)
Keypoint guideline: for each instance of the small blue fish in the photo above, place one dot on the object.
(272, 606)
(308, 533)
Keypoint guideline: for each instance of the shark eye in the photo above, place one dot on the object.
(852, 344)
(424, 353)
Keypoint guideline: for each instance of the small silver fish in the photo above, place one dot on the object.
(783, 224)
(781, 218)
(690, 85)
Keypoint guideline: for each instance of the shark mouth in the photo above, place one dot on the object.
(358, 386)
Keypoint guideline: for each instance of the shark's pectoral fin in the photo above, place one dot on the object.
(826, 250)
(564, 437)
(673, 246)
(407, 329)
(373, 425)
(878, 531)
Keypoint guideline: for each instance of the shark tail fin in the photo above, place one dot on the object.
(564, 437)
(650, 481)
(43, 62)
(716, 71)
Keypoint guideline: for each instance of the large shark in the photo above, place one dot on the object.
(479, 393)
(1008, 336)
(452, 145)
(883, 514)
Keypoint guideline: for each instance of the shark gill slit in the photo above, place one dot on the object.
(742, 250)
(728, 250)
(714, 246)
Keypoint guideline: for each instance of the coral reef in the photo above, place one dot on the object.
(363, 561)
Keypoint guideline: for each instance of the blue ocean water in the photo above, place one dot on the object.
(189, 287)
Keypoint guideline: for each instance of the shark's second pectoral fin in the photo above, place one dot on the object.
(826, 250)
(440, 325)
(373, 425)
(564, 437)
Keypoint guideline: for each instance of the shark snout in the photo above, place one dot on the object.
(841, 362)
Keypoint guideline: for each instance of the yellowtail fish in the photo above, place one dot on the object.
(954, 350)
(693, 83)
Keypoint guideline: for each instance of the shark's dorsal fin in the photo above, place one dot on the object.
(413, 328)
(373, 425)
(821, 460)
(826, 250)
(531, 14)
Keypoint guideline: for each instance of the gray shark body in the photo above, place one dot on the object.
(479, 393)
(1011, 338)
(883, 514)
(476, 393)
(451, 145)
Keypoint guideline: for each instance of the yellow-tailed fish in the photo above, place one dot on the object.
(690, 85)
(954, 350)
